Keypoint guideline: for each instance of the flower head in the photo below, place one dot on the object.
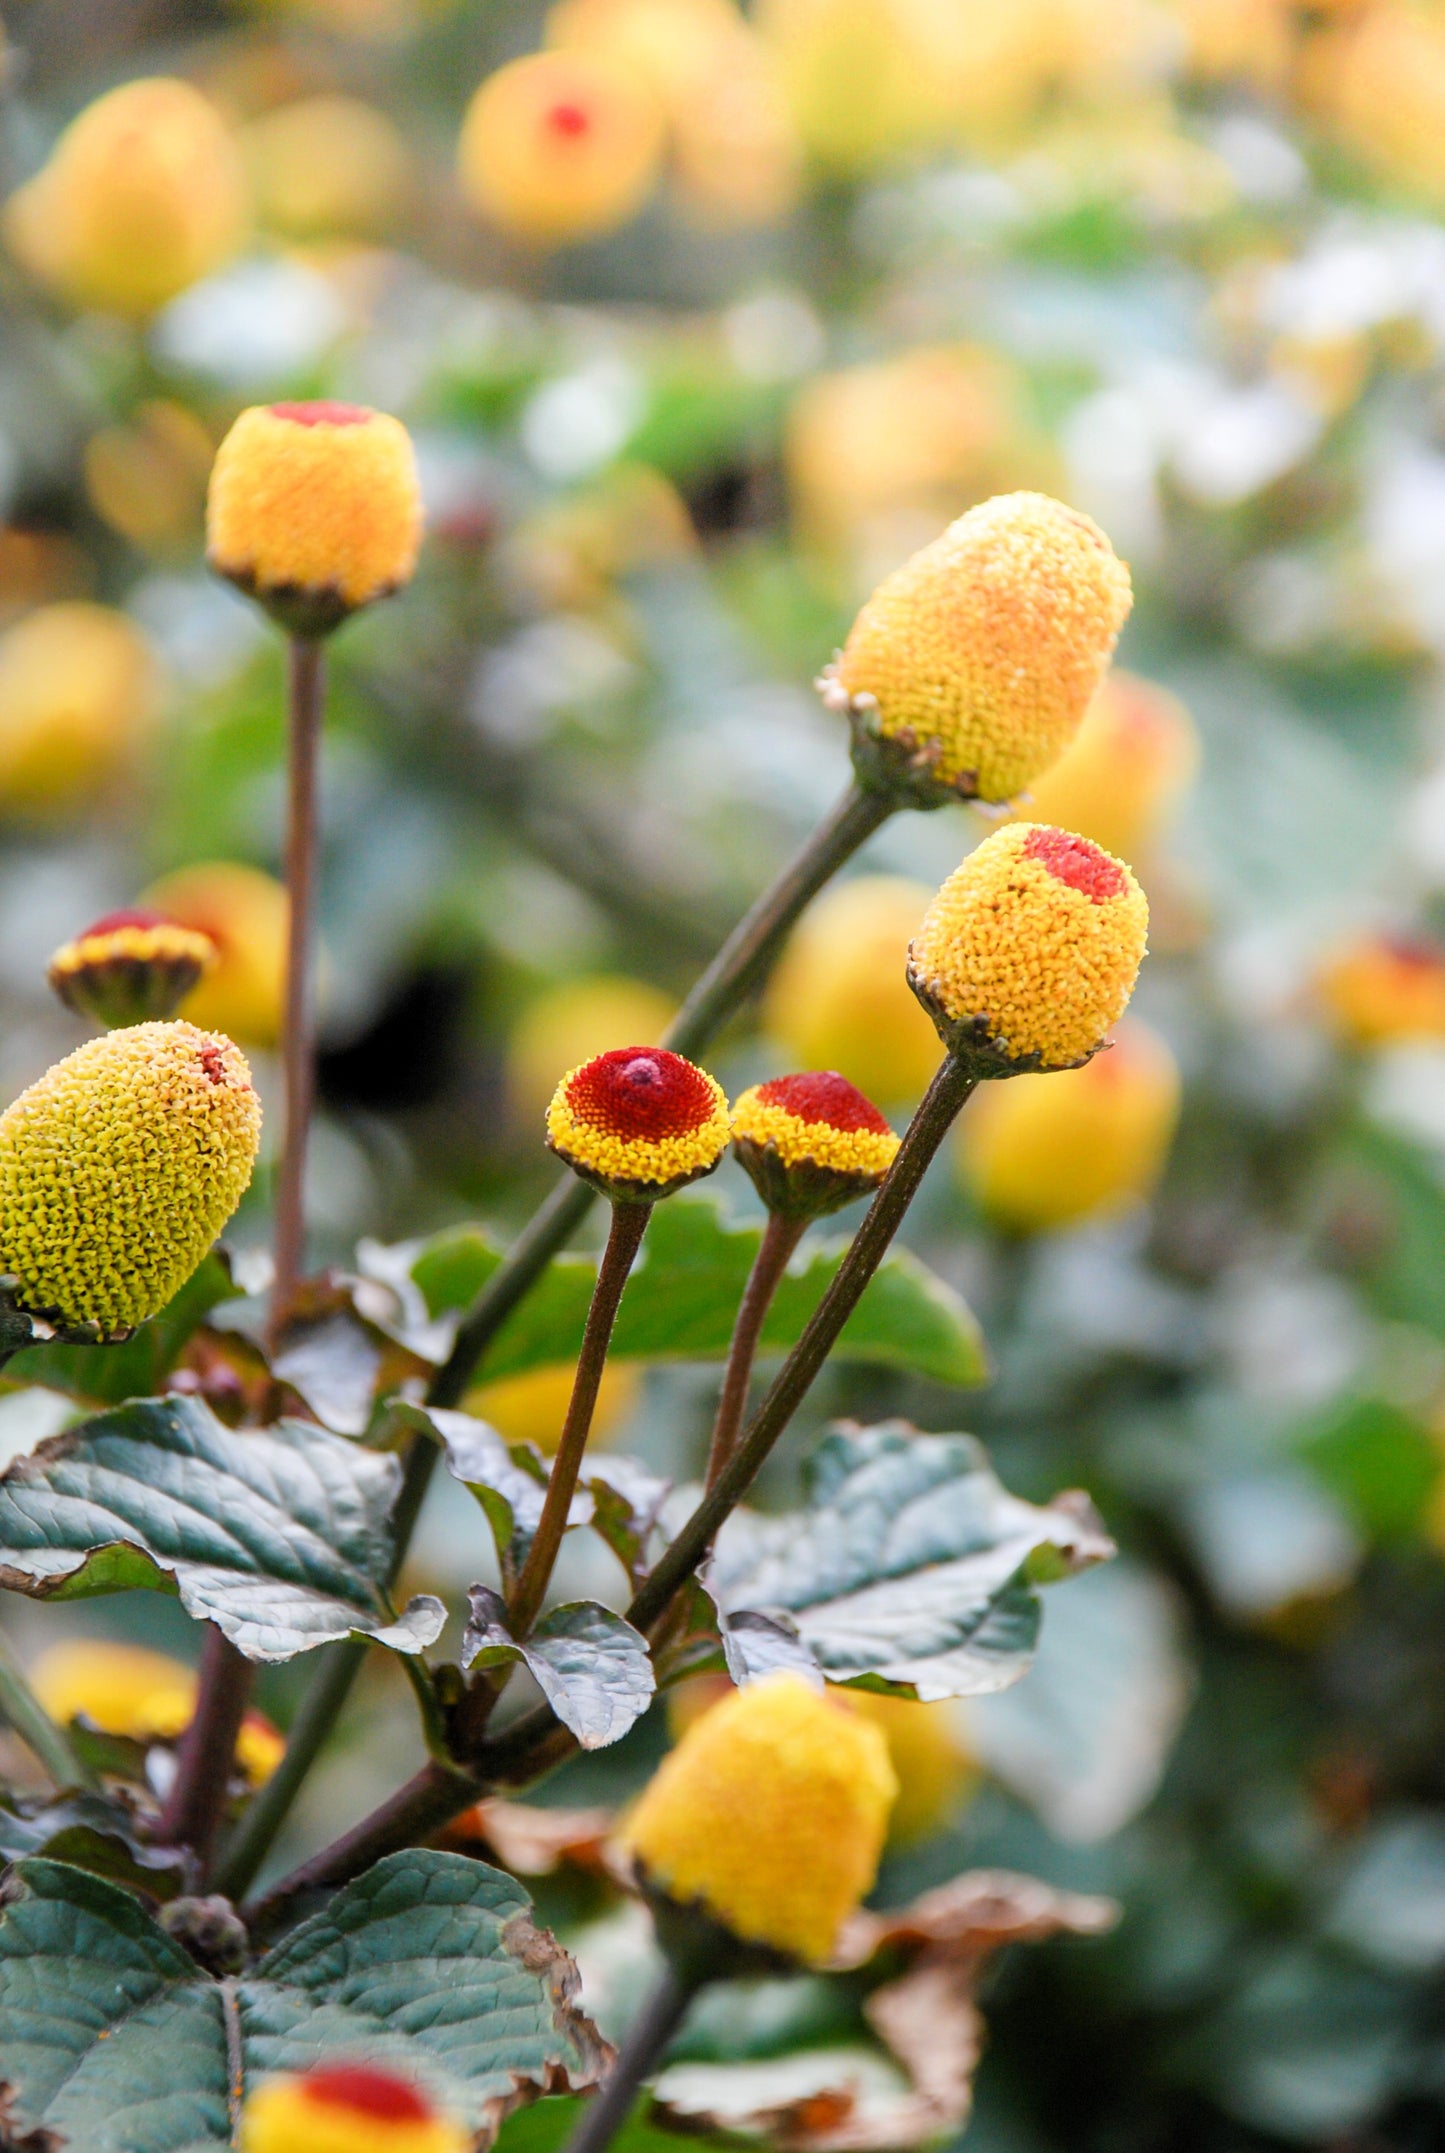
(130, 967)
(140, 1696)
(811, 1143)
(560, 146)
(119, 1168)
(1124, 770)
(638, 1122)
(1379, 989)
(839, 998)
(79, 693)
(245, 914)
(936, 1769)
(1029, 952)
(531, 1408)
(970, 668)
(346, 2108)
(314, 510)
(771, 1815)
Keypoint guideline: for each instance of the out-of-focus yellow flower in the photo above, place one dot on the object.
(811, 1143)
(1048, 1151)
(1121, 775)
(560, 146)
(1031, 948)
(573, 1022)
(639, 1122)
(79, 693)
(1379, 80)
(143, 194)
(346, 2107)
(981, 655)
(119, 1167)
(1238, 40)
(147, 478)
(141, 1696)
(327, 168)
(839, 998)
(1380, 989)
(937, 1773)
(771, 1813)
(130, 968)
(531, 1408)
(867, 79)
(246, 914)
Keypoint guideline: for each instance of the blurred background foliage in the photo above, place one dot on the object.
(702, 320)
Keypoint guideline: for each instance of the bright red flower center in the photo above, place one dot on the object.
(213, 1064)
(1077, 861)
(370, 2091)
(322, 413)
(114, 921)
(823, 1095)
(568, 120)
(641, 1092)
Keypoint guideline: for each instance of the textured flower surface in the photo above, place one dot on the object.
(771, 1813)
(1031, 948)
(346, 2108)
(131, 967)
(981, 654)
(560, 146)
(639, 1120)
(811, 1142)
(142, 1696)
(119, 1168)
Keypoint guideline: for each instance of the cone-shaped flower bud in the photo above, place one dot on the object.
(1381, 989)
(346, 2108)
(769, 1816)
(560, 146)
(638, 1123)
(811, 1143)
(970, 668)
(131, 968)
(314, 510)
(119, 1168)
(1029, 952)
(140, 1696)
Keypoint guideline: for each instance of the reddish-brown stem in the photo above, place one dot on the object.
(307, 688)
(430, 1799)
(208, 1748)
(780, 1238)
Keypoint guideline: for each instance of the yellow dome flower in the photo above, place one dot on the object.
(936, 1770)
(327, 168)
(531, 1408)
(811, 1143)
(346, 2108)
(1381, 989)
(130, 968)
(866, 79)
(1122, 773)
(638, 1122)
(245, 914)
(80, 690)
(143, 194)
(1381, 81)
(118, 1169)
(573, 1021)
(141, 1696)
(1029, 952)
(147, 477)
(840, 999)
(1245, 40)
(771, 1813)
(314, 510)
(560, 146)
(978, 658)
(1045, 1152)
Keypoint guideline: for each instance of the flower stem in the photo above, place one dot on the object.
(430, 1799)
(22, 1710)
(208, 1748)
(780, 1238)
(639, 2055)
(307, 689)
(307, 1736)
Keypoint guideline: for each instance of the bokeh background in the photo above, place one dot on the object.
(823, 274)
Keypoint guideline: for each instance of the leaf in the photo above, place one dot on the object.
(115, 2038)
(911, 1567)
(338, 1361)
(591, 1666)
(278, 1535)
(683, 1296)
(109, 1374)
(92, 1832)
(508, 1480)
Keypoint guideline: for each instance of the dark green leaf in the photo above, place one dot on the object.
(137, 1368)
(591, 1666)
(1378, 1459)
(91, 1832)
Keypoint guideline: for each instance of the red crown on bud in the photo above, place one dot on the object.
(811, 1143)
(131, 967)
(638, 1122)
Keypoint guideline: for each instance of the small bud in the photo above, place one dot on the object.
(559, 146)
(314, 511)
(1121, 776)
(346, 2108)
(769, 1817)
(970, 668)
(130, 968)
(839, 998)
(139, 1696)
(245, 913)
(119, 1168)
(811, 1143)
(1379, 990)
(1030, 951)
(638, 1123)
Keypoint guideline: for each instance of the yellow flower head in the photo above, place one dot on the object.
(937, 1771)
(573, 1021)
(839, 998)
(143, 194)
(119, 1168)
(130, 967)
(971, 666)
(140, 1696)
(244, 914)
(314, 510)
(1029, 952)
(560, 146)
(638, 1122)
(327, 168)
(531, 1408)
(79, 693)
(1047, 1152)
(811, 1143)
(346, 2108)
(1125, 768)
(1380, 989)
(771, 1814)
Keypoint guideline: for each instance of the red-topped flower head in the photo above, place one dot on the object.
(638, 1122)
(346, 2108)
(811, 1143)
(131, 967)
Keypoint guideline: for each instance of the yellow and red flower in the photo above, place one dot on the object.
(560, 146)
(246, 914)
(811, 1143)
(347, 2108)
(1382, 989)
(131, 967)
(639, 1122)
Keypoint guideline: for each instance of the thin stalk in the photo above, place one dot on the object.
(308, 1735)
(208, 1747)
(637, 2059)
(21, 1709)
(430, 1799)
(306, 696)
(780, 1238)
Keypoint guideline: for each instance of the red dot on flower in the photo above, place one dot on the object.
(371, 2092)
(569, 120)
(641, 1092)
(1414, 953)
(823, 1095)
(213, 1064)
(322, 413)
(1077, 861)
(113, 922)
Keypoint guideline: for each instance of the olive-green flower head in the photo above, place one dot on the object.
(119, 1168)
